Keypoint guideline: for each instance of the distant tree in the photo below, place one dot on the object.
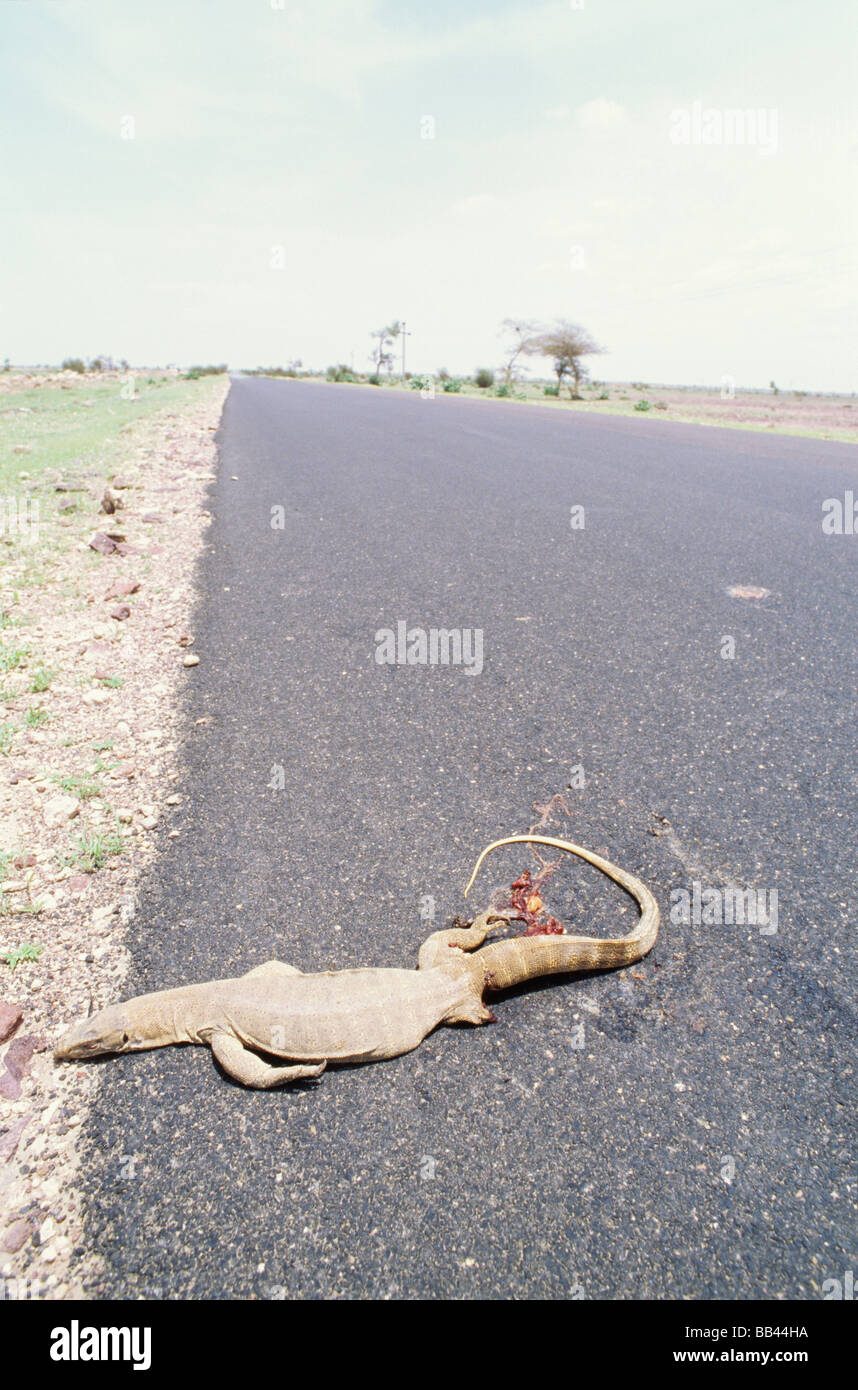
(519, 334)
(566, 344)
(382, 355)
(484, 378)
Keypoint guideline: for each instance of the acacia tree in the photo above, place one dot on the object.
(382, 355)
(565, 343)
(519, 334)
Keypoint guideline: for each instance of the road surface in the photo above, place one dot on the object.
(682, 1129)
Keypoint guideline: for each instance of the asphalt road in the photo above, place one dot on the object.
(682, 1129)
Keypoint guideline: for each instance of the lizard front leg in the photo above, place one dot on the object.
(250, 1069)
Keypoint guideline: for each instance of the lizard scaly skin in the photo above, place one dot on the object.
(350, 1016)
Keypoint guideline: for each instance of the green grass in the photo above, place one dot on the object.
(35, 717)
(41, 681)
(93, 849)
(7, 732)
(18, 953)
(81, 787)
(113, 681)
(67, 435)
(12, 657)
(102, 747)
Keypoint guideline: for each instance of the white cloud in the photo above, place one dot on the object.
(601, 114)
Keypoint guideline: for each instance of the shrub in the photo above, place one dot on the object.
(502, 390)
(551, 390)
(661, 405)
(484, 378)
(374, 379)
(642, 405)
(604, 395)
(194, 373)
(340, 373)
(452, 384)
(73, 364)
(420, 383)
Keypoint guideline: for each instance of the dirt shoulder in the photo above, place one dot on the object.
(104, 515)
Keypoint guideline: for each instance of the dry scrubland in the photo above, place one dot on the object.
(815, 416)
(95, 650)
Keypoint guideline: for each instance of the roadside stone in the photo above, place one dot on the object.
(59, 809)
(120, 612)
(19, 1054)
(10, 1138)
(77, 883)
(11, 1017)
(191, 661)
(102, 543)
(15, 1237)
(122, 588)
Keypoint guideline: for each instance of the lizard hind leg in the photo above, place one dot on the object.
(470, 1010)
(436, 949)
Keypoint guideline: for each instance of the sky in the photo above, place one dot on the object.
(255, 181)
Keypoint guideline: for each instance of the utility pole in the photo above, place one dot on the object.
(405, 334)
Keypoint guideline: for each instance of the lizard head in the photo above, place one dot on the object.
(109, 1030)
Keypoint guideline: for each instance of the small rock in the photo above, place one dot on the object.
(10, 1019)
(78, 882)
(191, 661)
(122, 588)
(186, 640)
(15, 1237)
(150, 517)
(102, 543)
(47, 1230)
(173, 800)
(59, 809)
(10, 1138)
(120, 612)
(123, 729)
(149, 822)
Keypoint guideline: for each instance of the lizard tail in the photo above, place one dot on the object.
(506, 963)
